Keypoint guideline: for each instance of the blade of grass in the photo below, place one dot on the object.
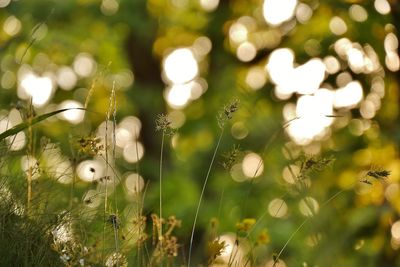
(24, 125)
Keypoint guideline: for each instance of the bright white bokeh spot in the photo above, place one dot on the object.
(280, 63)
(367, 109)
(84, 64)
(308, 206)
(238, 33)
(74, 115)
(395, 230)
(90, 170)
(392, 61)
(178, 95)
(122, 137)
(277, 208)
(30, 167)
(308, 77)
(40, 89)
(230, 252)
(312, 122)
(252, 165)
(332, 64)
(337, 26)
(278, 11)
(66, 78)
(256, 78)
(358, 13)
(246, 52)
(355, 57)
(391, 42)
(133, 152)
(180, 66)
(209, 5)
(349, 95)
(382, 6)
(134, 183)
(303, 13)
(132, 124)
(12, 25)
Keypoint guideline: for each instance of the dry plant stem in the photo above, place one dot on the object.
(201, 195)
(114, 123)
(139, 202)
(30, 153)
(161, 165)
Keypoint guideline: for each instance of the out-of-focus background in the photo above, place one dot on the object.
(329, 69)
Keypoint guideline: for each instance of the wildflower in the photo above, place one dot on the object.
(231, 157)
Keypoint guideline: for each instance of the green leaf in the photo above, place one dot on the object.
(22, 126)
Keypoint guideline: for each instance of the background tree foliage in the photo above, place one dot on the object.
(127, 44)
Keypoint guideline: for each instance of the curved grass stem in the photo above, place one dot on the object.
(202, 194)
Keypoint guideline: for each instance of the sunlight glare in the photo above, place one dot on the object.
(337, 26)
(90, 170)
(349, 95)
(382, 6)
(278, 11)
(395, 230)
(178, 95)
(180, 66)
(312, 122)
(252, 165)
(39, 88)
(74, 115)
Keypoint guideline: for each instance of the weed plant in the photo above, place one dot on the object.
(37, 230)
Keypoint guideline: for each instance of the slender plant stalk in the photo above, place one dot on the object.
(303, 223)
(161, 166)
(30, 154)
(201, 195)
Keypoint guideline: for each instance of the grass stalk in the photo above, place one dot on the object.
(202, 194)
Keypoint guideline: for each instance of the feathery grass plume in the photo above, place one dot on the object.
(163, 124)
(375, 173)
(225, 115)
(231, 157)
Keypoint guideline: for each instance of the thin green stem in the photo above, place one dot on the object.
(303, 223)
(201, 195)
(161, 166)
